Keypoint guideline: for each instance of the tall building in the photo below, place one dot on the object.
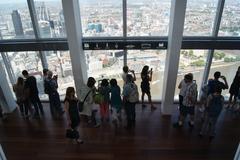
(17, 22)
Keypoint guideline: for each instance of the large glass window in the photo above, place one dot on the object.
(191, 61)
(148, 18)
(227, 62)
(200, 15)
(59, 63)
(50, 18)
(15, 21)
(105, 64)
(101, 18)
(31, 62)
(155, 59)
(230, 23)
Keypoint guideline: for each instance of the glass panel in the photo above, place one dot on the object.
(105, 64)
(148, 18)
(200, 16)
(101, 18)
(15, 21)
(191, 61)
(230, 23)
(2, 63)
(155, 59)
(60, 64)
(50, 18)
(31, 62)
(227, 62)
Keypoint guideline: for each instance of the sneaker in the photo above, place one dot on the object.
(176, 125)
(153, 108)
(190, 125)
(79, 141)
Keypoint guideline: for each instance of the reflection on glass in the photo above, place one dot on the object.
(227, 62)
(155, 59)
(101, 18)
(148, 18)
(191, 61)
(199, 18)
(105, 64)
(230, 22)
(15, 21)
(50, 18)
(29, 61)
(59, 63)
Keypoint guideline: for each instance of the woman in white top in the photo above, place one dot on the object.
(125, 73)
(89, 102)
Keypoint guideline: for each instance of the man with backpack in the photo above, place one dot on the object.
(130, 98)
(189, 101)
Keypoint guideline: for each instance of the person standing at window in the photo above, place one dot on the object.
(130, 98)
(126, 71)
(31, 90)
(146, 76)
(189, 101)
(72, 113)
(23, 104)
(54, 98)
(234, 88)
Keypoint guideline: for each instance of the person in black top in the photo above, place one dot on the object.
(31, 93)
(146, 76)
(51, 86)
(215, 83)
(234, 88)
(72, 113)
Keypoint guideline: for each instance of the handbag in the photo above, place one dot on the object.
(81, 103)
(72, 133)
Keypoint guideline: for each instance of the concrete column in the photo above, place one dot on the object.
(71, 10)
(176, 26)
(7, 101)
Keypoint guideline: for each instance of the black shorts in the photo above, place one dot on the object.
(185, 110)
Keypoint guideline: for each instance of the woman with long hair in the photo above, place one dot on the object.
(72, 113)
(146, 76)
(23, 103)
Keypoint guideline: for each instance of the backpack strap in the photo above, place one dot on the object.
(87, 96)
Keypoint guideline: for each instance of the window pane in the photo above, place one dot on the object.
(101, 18)
(230, 23)
(227, 62)
(105, 64)
(50, 18)
(2, 63)
(200, 16)
(191, 61)
(59, 62)
(148, 18)
(155, 59)
(31, 62)
(15, 21)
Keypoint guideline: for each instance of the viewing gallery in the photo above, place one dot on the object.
(119, 79)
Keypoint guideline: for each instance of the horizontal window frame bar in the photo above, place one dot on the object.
(224, 43)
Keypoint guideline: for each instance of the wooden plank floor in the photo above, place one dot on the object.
(153, 138)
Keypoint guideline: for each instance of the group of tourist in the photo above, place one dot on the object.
(107, 96)
(211, 101)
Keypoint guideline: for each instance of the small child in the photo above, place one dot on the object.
(116, 101)
(104, 90)
(214, 107)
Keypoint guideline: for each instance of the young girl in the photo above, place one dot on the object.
(104, 90)
(116, 101)
(72, 113)
(146, 76)
(18, 89)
